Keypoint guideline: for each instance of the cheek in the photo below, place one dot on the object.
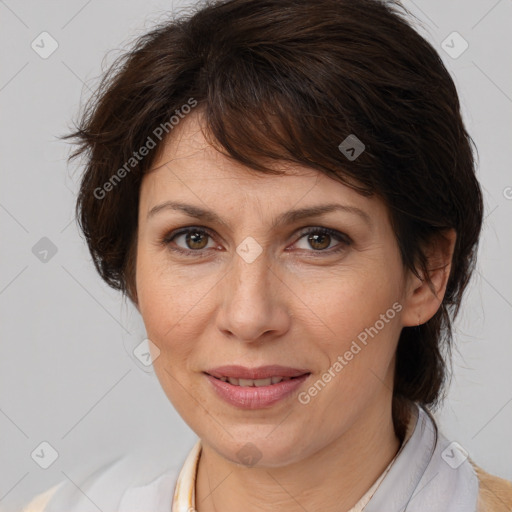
(160, 290)
(356, 326)
(362, 326)
(170, 305)
(158, 298)
(344, 305)
(173, 306)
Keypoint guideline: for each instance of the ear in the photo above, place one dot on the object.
(423, 299)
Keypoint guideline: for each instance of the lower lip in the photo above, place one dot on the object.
(252, 397)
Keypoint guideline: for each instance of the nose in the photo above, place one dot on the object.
(253, 303)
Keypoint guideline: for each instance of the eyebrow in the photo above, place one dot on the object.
(285, 218)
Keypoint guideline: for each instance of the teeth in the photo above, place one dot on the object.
(254, 382)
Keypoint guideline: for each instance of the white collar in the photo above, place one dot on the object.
(422, 465)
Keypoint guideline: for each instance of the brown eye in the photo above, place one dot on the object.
(319, 241)
(190, 240)
(196, 239)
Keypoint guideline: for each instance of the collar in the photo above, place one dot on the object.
(419, 462)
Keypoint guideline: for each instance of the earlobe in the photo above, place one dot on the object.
(425, 296)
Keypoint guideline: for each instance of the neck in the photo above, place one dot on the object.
(332, 479)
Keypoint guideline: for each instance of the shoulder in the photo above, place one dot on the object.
(39, 502)
(118, 485)
(495, 493)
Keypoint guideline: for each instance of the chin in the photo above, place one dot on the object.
(253, 446)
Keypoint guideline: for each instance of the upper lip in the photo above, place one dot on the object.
(260, 372)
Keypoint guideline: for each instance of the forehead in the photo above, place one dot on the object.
(189, 167)
(187, 148)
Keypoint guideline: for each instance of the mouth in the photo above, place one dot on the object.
(258, 376)
(256, 388)
(256, 382)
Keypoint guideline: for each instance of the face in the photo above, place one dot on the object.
(250, 284)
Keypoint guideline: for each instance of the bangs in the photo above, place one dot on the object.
(280, 115)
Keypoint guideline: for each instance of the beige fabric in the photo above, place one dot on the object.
(39, 503)
(495, 493)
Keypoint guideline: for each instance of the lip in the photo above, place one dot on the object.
(260, 397)
(260, 372)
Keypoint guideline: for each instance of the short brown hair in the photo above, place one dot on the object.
(289, 80)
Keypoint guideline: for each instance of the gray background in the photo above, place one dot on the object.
(67, 376)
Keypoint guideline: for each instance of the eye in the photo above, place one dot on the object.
(193, 240)
(320, 239)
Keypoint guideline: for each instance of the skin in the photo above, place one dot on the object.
(294, 305)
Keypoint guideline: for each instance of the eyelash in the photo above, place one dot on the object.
(345, 239)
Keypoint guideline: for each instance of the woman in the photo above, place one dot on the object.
(285, 190)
